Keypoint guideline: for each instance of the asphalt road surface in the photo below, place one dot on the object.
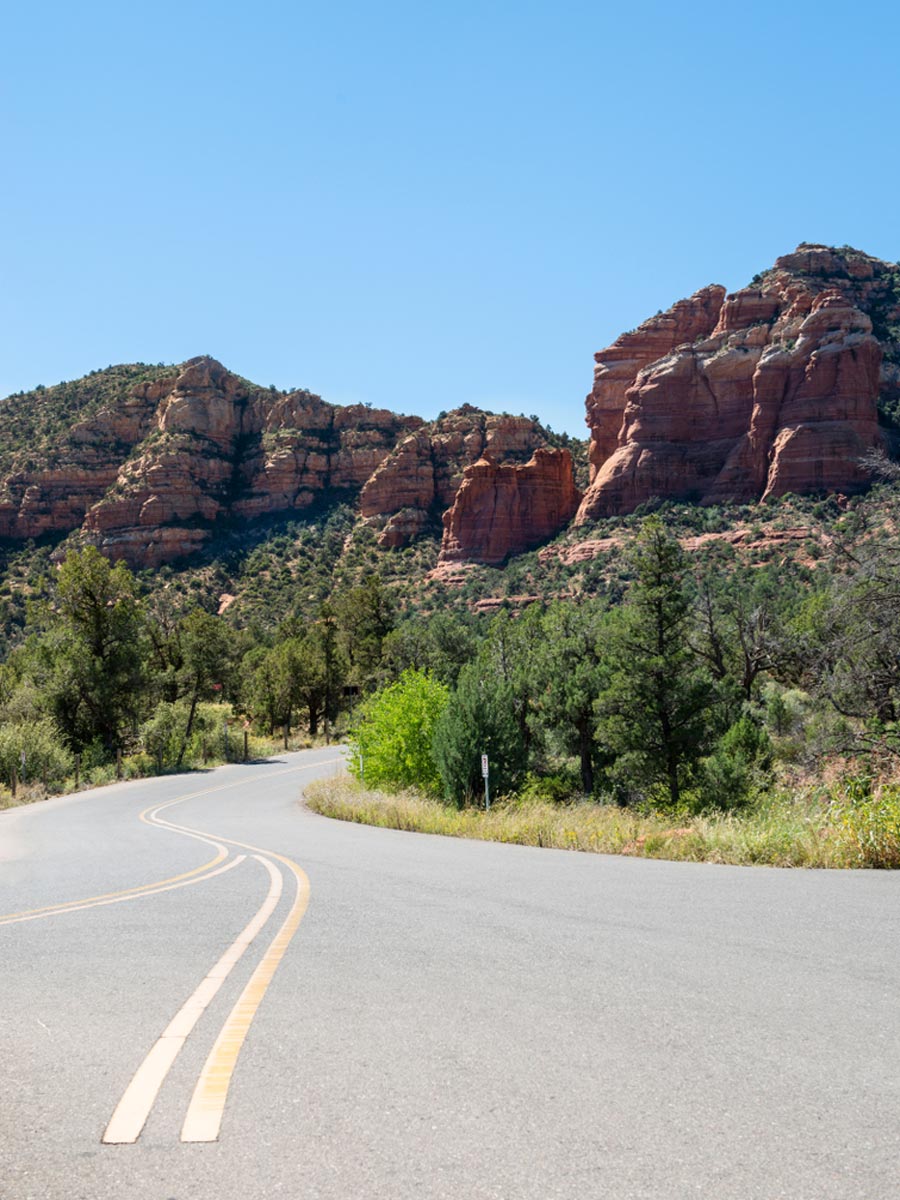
(290, 1006)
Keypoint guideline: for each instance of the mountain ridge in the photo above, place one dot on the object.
(779, 387)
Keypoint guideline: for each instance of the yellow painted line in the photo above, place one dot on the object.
(204, 1115)
(51, 910)
(150, 890)
(89, 901)
(139, 1097)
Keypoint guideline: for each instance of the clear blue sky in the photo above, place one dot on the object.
(420, 205)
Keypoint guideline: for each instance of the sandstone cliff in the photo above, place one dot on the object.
(770, 390)
(419, 480)
(153, 462)
(148, 473)
(779, 387)
(52, 472)
(505, 508)
(223, 449)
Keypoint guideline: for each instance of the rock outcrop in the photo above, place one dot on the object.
(419, 480)
(54, 495)
(223, 449)
(770, 390)
(619, 365)
(506, 508)
(151, 476)
(780, 387)
(148, 476)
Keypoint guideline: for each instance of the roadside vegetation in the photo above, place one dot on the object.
(704, 704)
(784, 831)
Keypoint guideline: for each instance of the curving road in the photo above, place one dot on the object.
(207, 991)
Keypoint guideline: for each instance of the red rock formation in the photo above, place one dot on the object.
(421, 477)
(752, 540)
(54, 497)
(301, 445)
(504, 509)
(772, 389)
(778, 395)
(147, 476)
(618, 366)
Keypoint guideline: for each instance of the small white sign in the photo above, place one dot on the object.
(484, 766)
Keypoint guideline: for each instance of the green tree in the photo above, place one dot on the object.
(330, 667)
(567, 667)
(480, 718)
(511, 651)
(441, 644)
(653, 710)
(165, 656)
(391, 744)
(739, 763)
(206, 647)
(317, 689)
(740, 618)
(89, 662)
(280, 681)
(364, 616)
(163, 735)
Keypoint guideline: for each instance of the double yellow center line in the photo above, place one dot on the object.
(204, 1116)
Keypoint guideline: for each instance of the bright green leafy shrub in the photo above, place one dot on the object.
(391, 745)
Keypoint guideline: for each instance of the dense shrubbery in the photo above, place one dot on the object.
(690, 694)
(33, 750)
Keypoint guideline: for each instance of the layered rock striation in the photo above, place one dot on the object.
(419, 479)
(53, 493)
(506, 508)
(780, 387)
(772, 389)
(222, 449)
(149, 477)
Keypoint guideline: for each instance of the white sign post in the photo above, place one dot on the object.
(485, 771)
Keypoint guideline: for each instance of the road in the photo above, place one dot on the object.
(330, 1011)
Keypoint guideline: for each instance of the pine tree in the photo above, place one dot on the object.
(655, 705)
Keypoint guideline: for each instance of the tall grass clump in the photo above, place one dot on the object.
(785, 830)
(868, 819)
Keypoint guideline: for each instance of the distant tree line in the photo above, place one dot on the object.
(678, 693)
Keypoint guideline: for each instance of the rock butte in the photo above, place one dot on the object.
(773, 389)
(505, 508)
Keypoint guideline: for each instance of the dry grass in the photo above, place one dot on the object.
(24, 795)
(784, 832)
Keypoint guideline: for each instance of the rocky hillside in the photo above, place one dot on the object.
(780, 387)
(151, 464)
